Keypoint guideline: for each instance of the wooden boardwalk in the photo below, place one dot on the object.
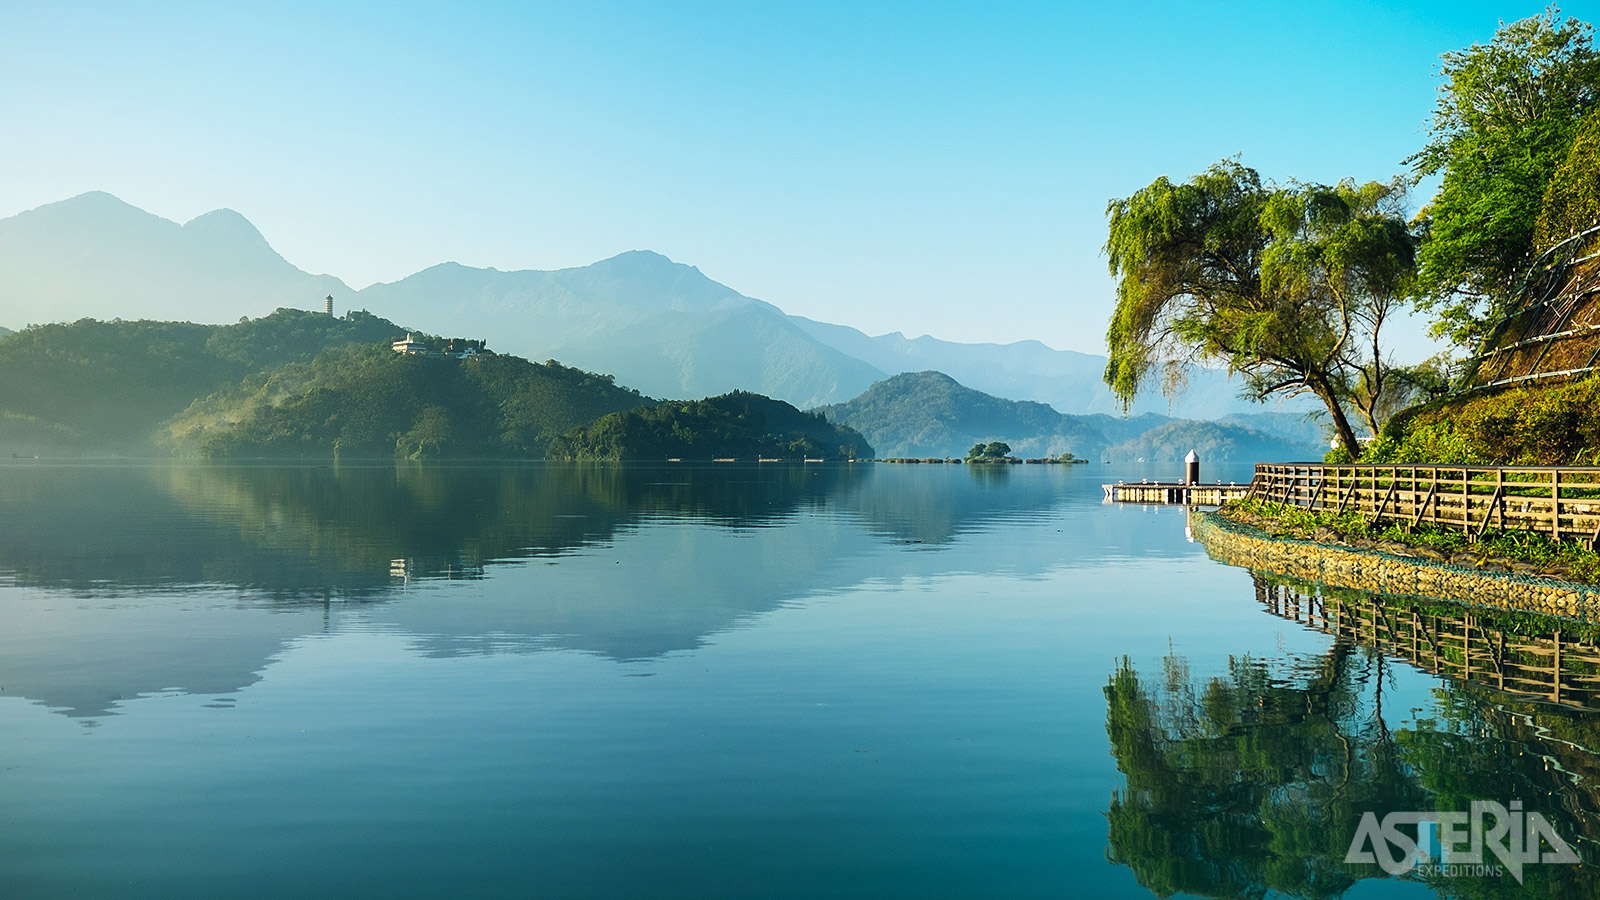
(1175, 493)
(1560, 502)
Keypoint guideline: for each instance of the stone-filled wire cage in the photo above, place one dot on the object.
(1554, 333)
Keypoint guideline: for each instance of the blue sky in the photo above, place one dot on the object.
(922, 167)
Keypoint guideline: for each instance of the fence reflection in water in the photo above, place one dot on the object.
(1532, 656)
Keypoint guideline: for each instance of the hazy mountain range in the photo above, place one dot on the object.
(658, 326)
(95, 255)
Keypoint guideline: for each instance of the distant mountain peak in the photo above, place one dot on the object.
(94, 197)
(928, 375)
(640, 256)
(91, 206)
(640, 262)
(225, 223)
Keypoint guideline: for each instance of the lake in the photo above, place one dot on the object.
(716, 681)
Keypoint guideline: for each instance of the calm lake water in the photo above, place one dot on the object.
(705, 682)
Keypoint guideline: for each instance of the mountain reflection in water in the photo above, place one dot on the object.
(150, 571)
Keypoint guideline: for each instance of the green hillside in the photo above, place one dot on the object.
(106, 386)
(738, 425)
(366, 401)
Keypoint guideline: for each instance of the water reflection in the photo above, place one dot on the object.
(140, 579)
(1543, 658)
(352, 531)
(1255, 780)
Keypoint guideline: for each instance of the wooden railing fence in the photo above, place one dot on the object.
(1561, 502)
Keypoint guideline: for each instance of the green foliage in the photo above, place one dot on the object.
(29, 435)
(1572, 199)
(1294, 521)
(1172, 242)
(991, 450)
(1550, 426)
(1289, 286)
(737, 425)
(1505, 121)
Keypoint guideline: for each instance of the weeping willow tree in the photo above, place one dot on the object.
(1288, 286)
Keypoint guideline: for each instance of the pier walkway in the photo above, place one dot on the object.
(1164, 492)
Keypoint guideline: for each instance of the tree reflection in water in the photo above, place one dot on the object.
(1252, 783)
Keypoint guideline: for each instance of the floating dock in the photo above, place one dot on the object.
(1175, 493)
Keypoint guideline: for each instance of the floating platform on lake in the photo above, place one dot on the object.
(1175, 493)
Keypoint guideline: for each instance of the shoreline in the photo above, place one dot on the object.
(1382, 572)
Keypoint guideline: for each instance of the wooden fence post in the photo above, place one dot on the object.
(1555, 505)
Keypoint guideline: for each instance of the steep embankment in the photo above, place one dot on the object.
(1547, 426)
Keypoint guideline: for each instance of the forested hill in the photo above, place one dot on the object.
(294, 383)
(739, 425)
(105, 386)
(366, 401)
(931, 414)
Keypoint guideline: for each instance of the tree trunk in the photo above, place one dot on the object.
(1341, 424)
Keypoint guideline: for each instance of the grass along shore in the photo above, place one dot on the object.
(1519, 552)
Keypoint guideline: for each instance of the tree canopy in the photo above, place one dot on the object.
(1505, 120)
(1289, 286)
(991, 450)
(1572, 199)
